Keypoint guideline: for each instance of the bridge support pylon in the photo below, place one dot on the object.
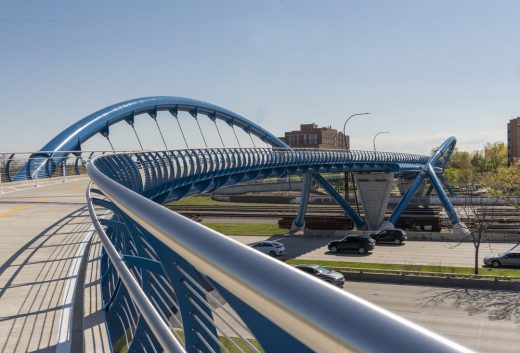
(299, 221)
(374, 191)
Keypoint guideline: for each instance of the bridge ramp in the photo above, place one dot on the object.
(44, 232)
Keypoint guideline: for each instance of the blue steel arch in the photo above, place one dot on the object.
(51, 156)
(72, 137)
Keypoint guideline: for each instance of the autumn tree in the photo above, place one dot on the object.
(495, 156)
(480, 215)
(505, 183)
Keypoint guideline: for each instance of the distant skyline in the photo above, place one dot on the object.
(425, 70)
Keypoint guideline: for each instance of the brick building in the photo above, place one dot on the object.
(312, 136)
(513, 140)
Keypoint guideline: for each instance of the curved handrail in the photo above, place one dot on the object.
(153, 318)
(335, 322)
(192, 168)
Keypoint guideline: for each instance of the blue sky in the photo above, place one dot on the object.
(424, 69)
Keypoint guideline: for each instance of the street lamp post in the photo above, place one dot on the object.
(347, 148)
(374, 140)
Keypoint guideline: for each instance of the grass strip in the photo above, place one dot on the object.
(412, 267)
(208, 201)
(246, 229)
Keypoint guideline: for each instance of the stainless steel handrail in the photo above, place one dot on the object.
(157, 325)
(325, 319)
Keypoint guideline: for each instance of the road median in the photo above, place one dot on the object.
(443, 277)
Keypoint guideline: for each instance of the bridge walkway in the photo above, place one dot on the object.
(44, 232)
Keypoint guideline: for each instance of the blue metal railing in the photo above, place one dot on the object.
(183, 274)
(171, 175)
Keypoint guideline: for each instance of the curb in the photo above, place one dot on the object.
(441, 281)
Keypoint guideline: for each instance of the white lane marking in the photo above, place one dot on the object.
(63, 344)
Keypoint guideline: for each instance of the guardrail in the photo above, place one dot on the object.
(20, 170)
(182, 266)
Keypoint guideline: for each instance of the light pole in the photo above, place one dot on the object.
(374, 140)
(345, 124)
(347, 148)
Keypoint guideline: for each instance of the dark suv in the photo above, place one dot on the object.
(359, 243)
(396, 236)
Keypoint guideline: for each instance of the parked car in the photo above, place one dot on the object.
(507, 258)
(270, 247)
(323, 273)
(359, 243)
(396, 236)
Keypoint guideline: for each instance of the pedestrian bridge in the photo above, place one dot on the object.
(112, 269)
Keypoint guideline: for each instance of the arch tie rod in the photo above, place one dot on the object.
(203, 138)
(253, 142)
(110, 142)
(233, 127)
(182, 132)
(160, 132)
(137, 136)
(219, 135)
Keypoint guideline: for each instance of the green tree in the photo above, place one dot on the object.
(505, 183)
(478, 163)
(459, 169)
(495, 156)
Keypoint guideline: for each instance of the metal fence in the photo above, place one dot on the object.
(21, 170)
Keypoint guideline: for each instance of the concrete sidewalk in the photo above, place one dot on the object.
(44, 233)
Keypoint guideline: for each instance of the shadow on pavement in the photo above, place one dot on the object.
(496, 304)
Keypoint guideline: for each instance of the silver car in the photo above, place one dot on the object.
(269, 247)
(507, 258)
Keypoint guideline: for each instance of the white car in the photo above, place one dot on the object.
(269, 247)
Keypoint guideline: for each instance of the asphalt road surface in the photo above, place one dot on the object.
(411, 252)
(484, 320)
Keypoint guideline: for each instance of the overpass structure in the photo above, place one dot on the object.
(167, 283)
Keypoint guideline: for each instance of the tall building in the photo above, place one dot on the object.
(312, 136)
(513, 140)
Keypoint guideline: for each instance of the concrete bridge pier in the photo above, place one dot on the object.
(374, 191)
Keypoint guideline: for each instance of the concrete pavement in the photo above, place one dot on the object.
(484, 320)
(44, 232)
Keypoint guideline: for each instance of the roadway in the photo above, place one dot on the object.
(411, 252)
(484, 320)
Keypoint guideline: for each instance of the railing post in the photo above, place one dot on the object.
(35, 176)
(63, 169)
(1, 165)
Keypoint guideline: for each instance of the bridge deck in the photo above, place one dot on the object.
(43, 234)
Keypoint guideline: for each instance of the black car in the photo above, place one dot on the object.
(396, 236)
(359, 243)
(323, 273)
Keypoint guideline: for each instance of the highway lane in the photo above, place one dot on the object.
(412, 252)
(484, 320)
